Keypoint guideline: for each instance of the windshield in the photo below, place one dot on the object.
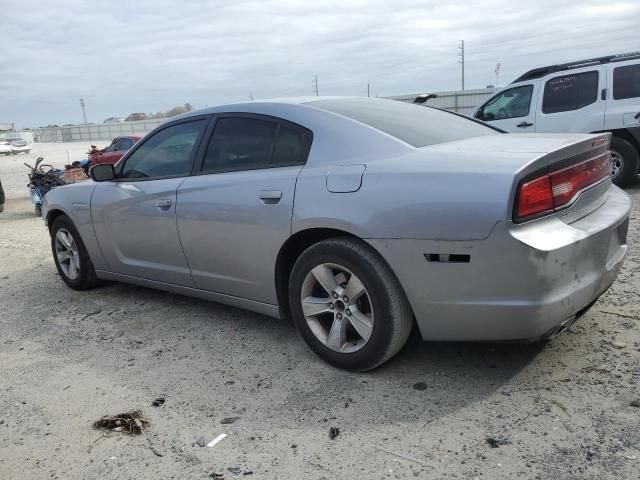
(417, 125)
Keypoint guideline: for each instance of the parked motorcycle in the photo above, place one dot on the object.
(42, 178)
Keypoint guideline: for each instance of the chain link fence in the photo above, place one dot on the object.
(95, 132)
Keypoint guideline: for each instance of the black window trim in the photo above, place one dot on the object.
(307, 134)
(595, 97)
(531, 101)
(194, 153)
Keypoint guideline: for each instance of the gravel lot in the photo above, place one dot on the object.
(558, 410)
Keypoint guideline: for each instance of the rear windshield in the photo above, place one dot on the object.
(416, 125)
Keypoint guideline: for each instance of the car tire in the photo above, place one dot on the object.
(375, 323)
(626, 154)
(38, 210)
(75, 268)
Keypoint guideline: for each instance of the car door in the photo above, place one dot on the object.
(235, 213)
(512, 109)
(572, 102)
(134, 216)
(623, 98)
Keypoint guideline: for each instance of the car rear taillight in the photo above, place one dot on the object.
(558, 188)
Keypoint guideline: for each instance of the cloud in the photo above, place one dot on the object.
(148, 56)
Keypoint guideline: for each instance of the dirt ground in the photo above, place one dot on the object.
(558, 410)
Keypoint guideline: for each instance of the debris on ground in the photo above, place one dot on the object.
(420, 386)
(158, 402)
(217, 475)
(200, 441)
(229, 420)
(216, 440)
(635, 403)
(130, 422)
(334, 432)
(496, 442)
(618, 343)
(235, 470)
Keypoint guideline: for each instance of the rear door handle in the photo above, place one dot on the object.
(270, 196)
(163, 204)
(524, 125)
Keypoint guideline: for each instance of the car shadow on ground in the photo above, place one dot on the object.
(208, 344)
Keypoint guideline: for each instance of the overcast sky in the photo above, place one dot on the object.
(150, 55)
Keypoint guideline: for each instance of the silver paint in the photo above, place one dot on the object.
(220, 235)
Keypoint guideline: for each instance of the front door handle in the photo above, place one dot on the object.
(163, 204)
(524, 125)
(270, 196)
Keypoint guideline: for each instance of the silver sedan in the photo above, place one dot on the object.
(358, 218)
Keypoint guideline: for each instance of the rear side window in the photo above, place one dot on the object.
(626, 82)
(570, 92)
(240, 143)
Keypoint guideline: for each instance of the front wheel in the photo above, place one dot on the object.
(624, 162)
(70, 255)
(348, 305)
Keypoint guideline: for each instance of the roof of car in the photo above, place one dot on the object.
(284, 101)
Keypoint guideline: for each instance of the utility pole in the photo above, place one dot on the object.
(497, 70)
(315, 84)
(251, 96)
(368, 91)
(461, 61)
(84, 112)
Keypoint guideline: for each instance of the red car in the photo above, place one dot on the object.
(113, 152)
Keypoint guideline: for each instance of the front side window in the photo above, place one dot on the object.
(512, 103)
(168, 152)
(626, 82)
(570, 92)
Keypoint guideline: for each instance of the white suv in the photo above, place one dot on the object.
(589, 96)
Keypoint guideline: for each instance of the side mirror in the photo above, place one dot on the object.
(479, 114)
(102, 172)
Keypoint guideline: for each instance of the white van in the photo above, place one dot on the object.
(589, 96)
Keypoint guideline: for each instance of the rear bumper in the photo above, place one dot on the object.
(523, 282)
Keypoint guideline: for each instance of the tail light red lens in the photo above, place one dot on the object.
(558, 188)
(535, 197)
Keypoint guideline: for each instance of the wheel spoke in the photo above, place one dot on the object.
(362, 323)
(73, 271)
(75, 258)
(63, 256)
(64, 239)
(337, 335)
(312, 306)
(326, 278)
(353, 290)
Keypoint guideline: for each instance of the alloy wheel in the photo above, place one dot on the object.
(337, 308)
(67, 254)
(617, 164)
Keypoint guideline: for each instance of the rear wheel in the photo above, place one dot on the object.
(624, 161)
(70, 255)
(348, 305)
